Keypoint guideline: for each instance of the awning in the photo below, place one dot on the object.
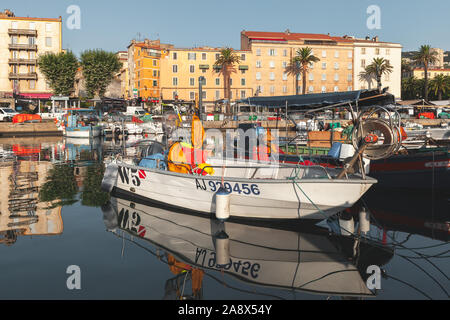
(363, 97)
(45, 96)
(243, 67)
(203, 66)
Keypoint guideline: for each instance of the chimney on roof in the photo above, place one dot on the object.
(287, 31)
(375, 39)
(367, 38)
(7, 13)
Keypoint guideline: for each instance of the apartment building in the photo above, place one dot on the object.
(144, 59)
(22, 41)
(181, 69)
(272, 52)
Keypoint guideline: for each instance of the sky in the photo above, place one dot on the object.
(111, 25)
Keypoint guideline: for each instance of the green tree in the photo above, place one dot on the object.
(425, 57)
(99, 68)
(305, 58)
(225, 65)
(378, 68)
(440, 85)
(59, 69)
(365, 76)
(410, 88)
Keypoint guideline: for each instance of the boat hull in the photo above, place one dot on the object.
(315, 199)
(83, 133)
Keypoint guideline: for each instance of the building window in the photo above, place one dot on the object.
(258, 52)
(258, 76)
(32, 84)
(191, 68)
(192, 56)
(175, 68)
(243, 57)
(48, 27)
(272, 64)
(350, 77)
(350, 54)
(155, 73)
(336, 54)
(324, 89)
(174, 55)
(203, 56)
(285, 76)
(336, 65)
(324, 53)
(363, 50)
(258, 64)
(243, 82)
(311, 77)
(272, 52)
(284, 89)
(311, 65)
(350, 66)
(242, 94)
(311, 89)
(192, 81)
(284, 53)
(15, 55)
(192, 95)
(324, 65)
(272, 76)
(31, 41)
(154, 63)
(324, 77)
(32, 69)
(231, 82)
(217, 94)
(217, 81)
(336, 77)
(175, 95)
(155, 83)
(363, 63)
(336, 89)
(175, 81)
(284, 64)
(388, 51)
(14, 40)
(377, 51)
(272, 89)
(48, 42)
(217, 56)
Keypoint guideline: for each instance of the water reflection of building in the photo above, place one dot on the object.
(21, 212)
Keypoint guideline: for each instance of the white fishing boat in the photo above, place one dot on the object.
(257, 190)
(81, 123)
(308, 260)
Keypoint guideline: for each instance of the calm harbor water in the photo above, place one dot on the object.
(53, 215)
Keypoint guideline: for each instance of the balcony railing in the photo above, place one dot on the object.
(22, 32)
(23, 61)
(13, 46)
(23, 76)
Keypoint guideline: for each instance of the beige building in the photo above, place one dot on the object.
(22, 41)
(365, 50)
(181, 69)
(272, 52)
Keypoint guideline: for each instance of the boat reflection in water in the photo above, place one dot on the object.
(285, 257)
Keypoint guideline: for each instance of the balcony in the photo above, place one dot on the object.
(23, 76)
(23, 61)
(31, 47)
(22, 32)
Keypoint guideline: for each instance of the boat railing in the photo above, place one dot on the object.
(292, 171)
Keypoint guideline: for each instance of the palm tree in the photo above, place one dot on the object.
(294, 69)
(364, 76)
(226, 61)
(377, 69)
(305, 57)
(425, 57)
(410, 88)
(439, 85)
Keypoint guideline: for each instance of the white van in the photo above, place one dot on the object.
(6, 114)
(135, 111)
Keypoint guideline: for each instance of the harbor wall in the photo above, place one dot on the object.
(8, 129)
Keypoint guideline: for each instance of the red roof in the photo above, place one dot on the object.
(286, 36)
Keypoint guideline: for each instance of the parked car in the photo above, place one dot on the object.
(6, 114)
